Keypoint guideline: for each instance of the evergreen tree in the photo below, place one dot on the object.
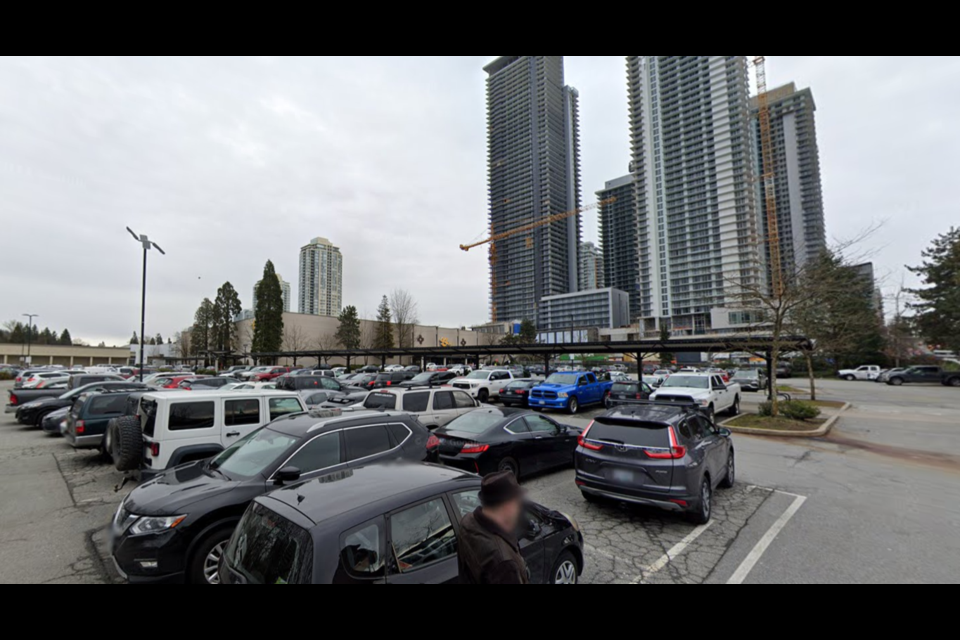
(348, 333)
(528, 332)
(135, 339)
(18, 334)
(225, 308)
(383, 334)
(268, 322)
(158, 339)
(65, 338)
(201, 340)
(938, 305)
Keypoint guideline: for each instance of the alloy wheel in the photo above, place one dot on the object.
(566, 573)
(706, 506)
(211, 564)
(731, 470)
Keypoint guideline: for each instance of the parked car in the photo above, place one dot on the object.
(433, 406)
(345, 400)
(32, 413)
(83, 379)
(45, 379)
(485, 384)
(255, 386)
(707, 390)
(86, 423)
(884, 376)
(251, 373)
(26, 374)
(172, 381)
(628, 392)
(55, 422)
(784, 371)
(383, 525)
(491, 439)
(270, 374)
(393, 368)
(431, 378)
(369, 369)
(391, 379)
(363, 380)
(413, 369)
(299, 383)
(667, 456)
(234, 372)
(459, 369)
(751, 379)
(658, 377)
(176, 428)
(206, 384)
(569, 391)
(517, 393)
(866, 372)
(925, 374)
(175, 527)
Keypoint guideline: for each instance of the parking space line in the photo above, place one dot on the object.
(679, 548)
(748, 565)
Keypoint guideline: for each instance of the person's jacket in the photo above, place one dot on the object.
(489, 555)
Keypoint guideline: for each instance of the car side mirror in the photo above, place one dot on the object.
(562, 430)
(286, 476)
(533, 528)
(725, 433)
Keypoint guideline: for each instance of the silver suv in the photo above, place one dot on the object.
(435, 407)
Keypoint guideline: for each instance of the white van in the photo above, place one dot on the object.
(181, 427)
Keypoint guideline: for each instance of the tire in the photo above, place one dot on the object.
(953, 382)
(731, 478)
(896, 382)
(850, 378)
(39, 422)
(592, 499)
(735, 409)
(483, 396)
(106, 445)
(573, 406)
(509, 464)
(712, 413)
(206, 556)
(704, 511)
(565, 570)
(127, 443)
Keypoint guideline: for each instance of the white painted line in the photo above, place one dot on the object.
(741, 574)
(679, 548)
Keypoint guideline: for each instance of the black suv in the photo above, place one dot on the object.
(174, 528)
(657, 454)
(394, 379)
(628, 392)
(33, 413)
(394, 524)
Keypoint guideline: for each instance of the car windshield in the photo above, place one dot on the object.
(563, 378)
(386, 401)
(687, 382)
(746, 373)
(423, 377)
(479, 375)
(252, 455)
(475, 422)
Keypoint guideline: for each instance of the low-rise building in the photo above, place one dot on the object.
(42, 355)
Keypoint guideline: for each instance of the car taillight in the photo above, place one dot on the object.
(155, 449)
(40, 384)
(81, 427)
(389, 382)
(474, 447)
(582, 440)
(676, 452)
(639, 396)
(522, 392)
(433, 442)
(13, 398)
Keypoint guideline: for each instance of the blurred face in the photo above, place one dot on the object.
(508, 514)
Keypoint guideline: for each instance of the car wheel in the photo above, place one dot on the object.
(897, 382)
(509, 464)
(592, 499)
(107, 445)
(731, 477)
(483, 396)
(205, 564)
(735, 409)
(850, 378)
(127, 443)
(711, 413)
(705, 507)
(573, 406)
(954, 382)
(565, 571)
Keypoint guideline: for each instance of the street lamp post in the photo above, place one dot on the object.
(30, 317)
(147, 244)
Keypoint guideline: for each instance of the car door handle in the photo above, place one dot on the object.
(233, 434)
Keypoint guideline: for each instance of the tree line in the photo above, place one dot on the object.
(15, 332)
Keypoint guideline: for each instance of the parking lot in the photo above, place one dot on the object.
(876, 501)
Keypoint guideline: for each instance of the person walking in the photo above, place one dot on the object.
(489, 549)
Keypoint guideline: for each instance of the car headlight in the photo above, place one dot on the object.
(573, 521)
(563, 394)
(148, 526)
(704, 403)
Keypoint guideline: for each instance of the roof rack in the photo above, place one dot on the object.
(687, 404)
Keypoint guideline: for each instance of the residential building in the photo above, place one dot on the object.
(284, 288)
(868, 275)
(694, 183)
(799, 201)
(321, 279)
(591, 267)
(620, 238)
(533, 151)
(576, 317)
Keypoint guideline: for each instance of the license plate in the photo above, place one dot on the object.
(622, 475)
(543, 402)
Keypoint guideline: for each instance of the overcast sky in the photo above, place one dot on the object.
(228, 162)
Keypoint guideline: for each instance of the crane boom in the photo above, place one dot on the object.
(557, 217)
(769, 177)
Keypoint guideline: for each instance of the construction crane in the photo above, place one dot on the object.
(495, 237)
(769, 177)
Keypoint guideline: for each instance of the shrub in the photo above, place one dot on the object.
(793, 409)
(207, 372)
(6, 375)
(766, 409)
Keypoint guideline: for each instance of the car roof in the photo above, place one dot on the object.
(320, 420)
(665, 413)
(333, 495)
(214, 394)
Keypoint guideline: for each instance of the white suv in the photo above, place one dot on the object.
(435, 407)
(181, 427)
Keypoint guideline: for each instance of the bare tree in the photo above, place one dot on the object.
(899, 331)
(181, 344)
(295, 339)
(405, 316)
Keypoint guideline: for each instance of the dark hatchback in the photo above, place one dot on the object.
(34, 412)
(667, 456)
(517, 394)
(388, 524)
(492, 439)
(174, 528)
(628, 393)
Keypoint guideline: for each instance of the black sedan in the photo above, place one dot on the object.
(174, 528)
(33, 413)
(492, 439)
(396, 524)
(517, 394)
(51, 423)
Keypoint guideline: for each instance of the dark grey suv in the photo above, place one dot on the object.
(662, 455)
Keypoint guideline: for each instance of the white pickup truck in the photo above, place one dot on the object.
(866, 372)
(706, 389)
(486, 384)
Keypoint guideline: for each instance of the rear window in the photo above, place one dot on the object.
(269, 549)
(386, 401)
(148, 416)
(637, 434)
(416, 402)
(191, 416)
(107, 405)
(624, 387)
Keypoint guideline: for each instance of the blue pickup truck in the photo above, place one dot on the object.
(569, 392)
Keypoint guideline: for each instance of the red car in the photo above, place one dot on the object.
(272, 373)
(173, 382)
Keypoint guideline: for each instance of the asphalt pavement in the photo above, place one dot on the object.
(877, 501)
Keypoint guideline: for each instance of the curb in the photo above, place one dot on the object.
(815, 433)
